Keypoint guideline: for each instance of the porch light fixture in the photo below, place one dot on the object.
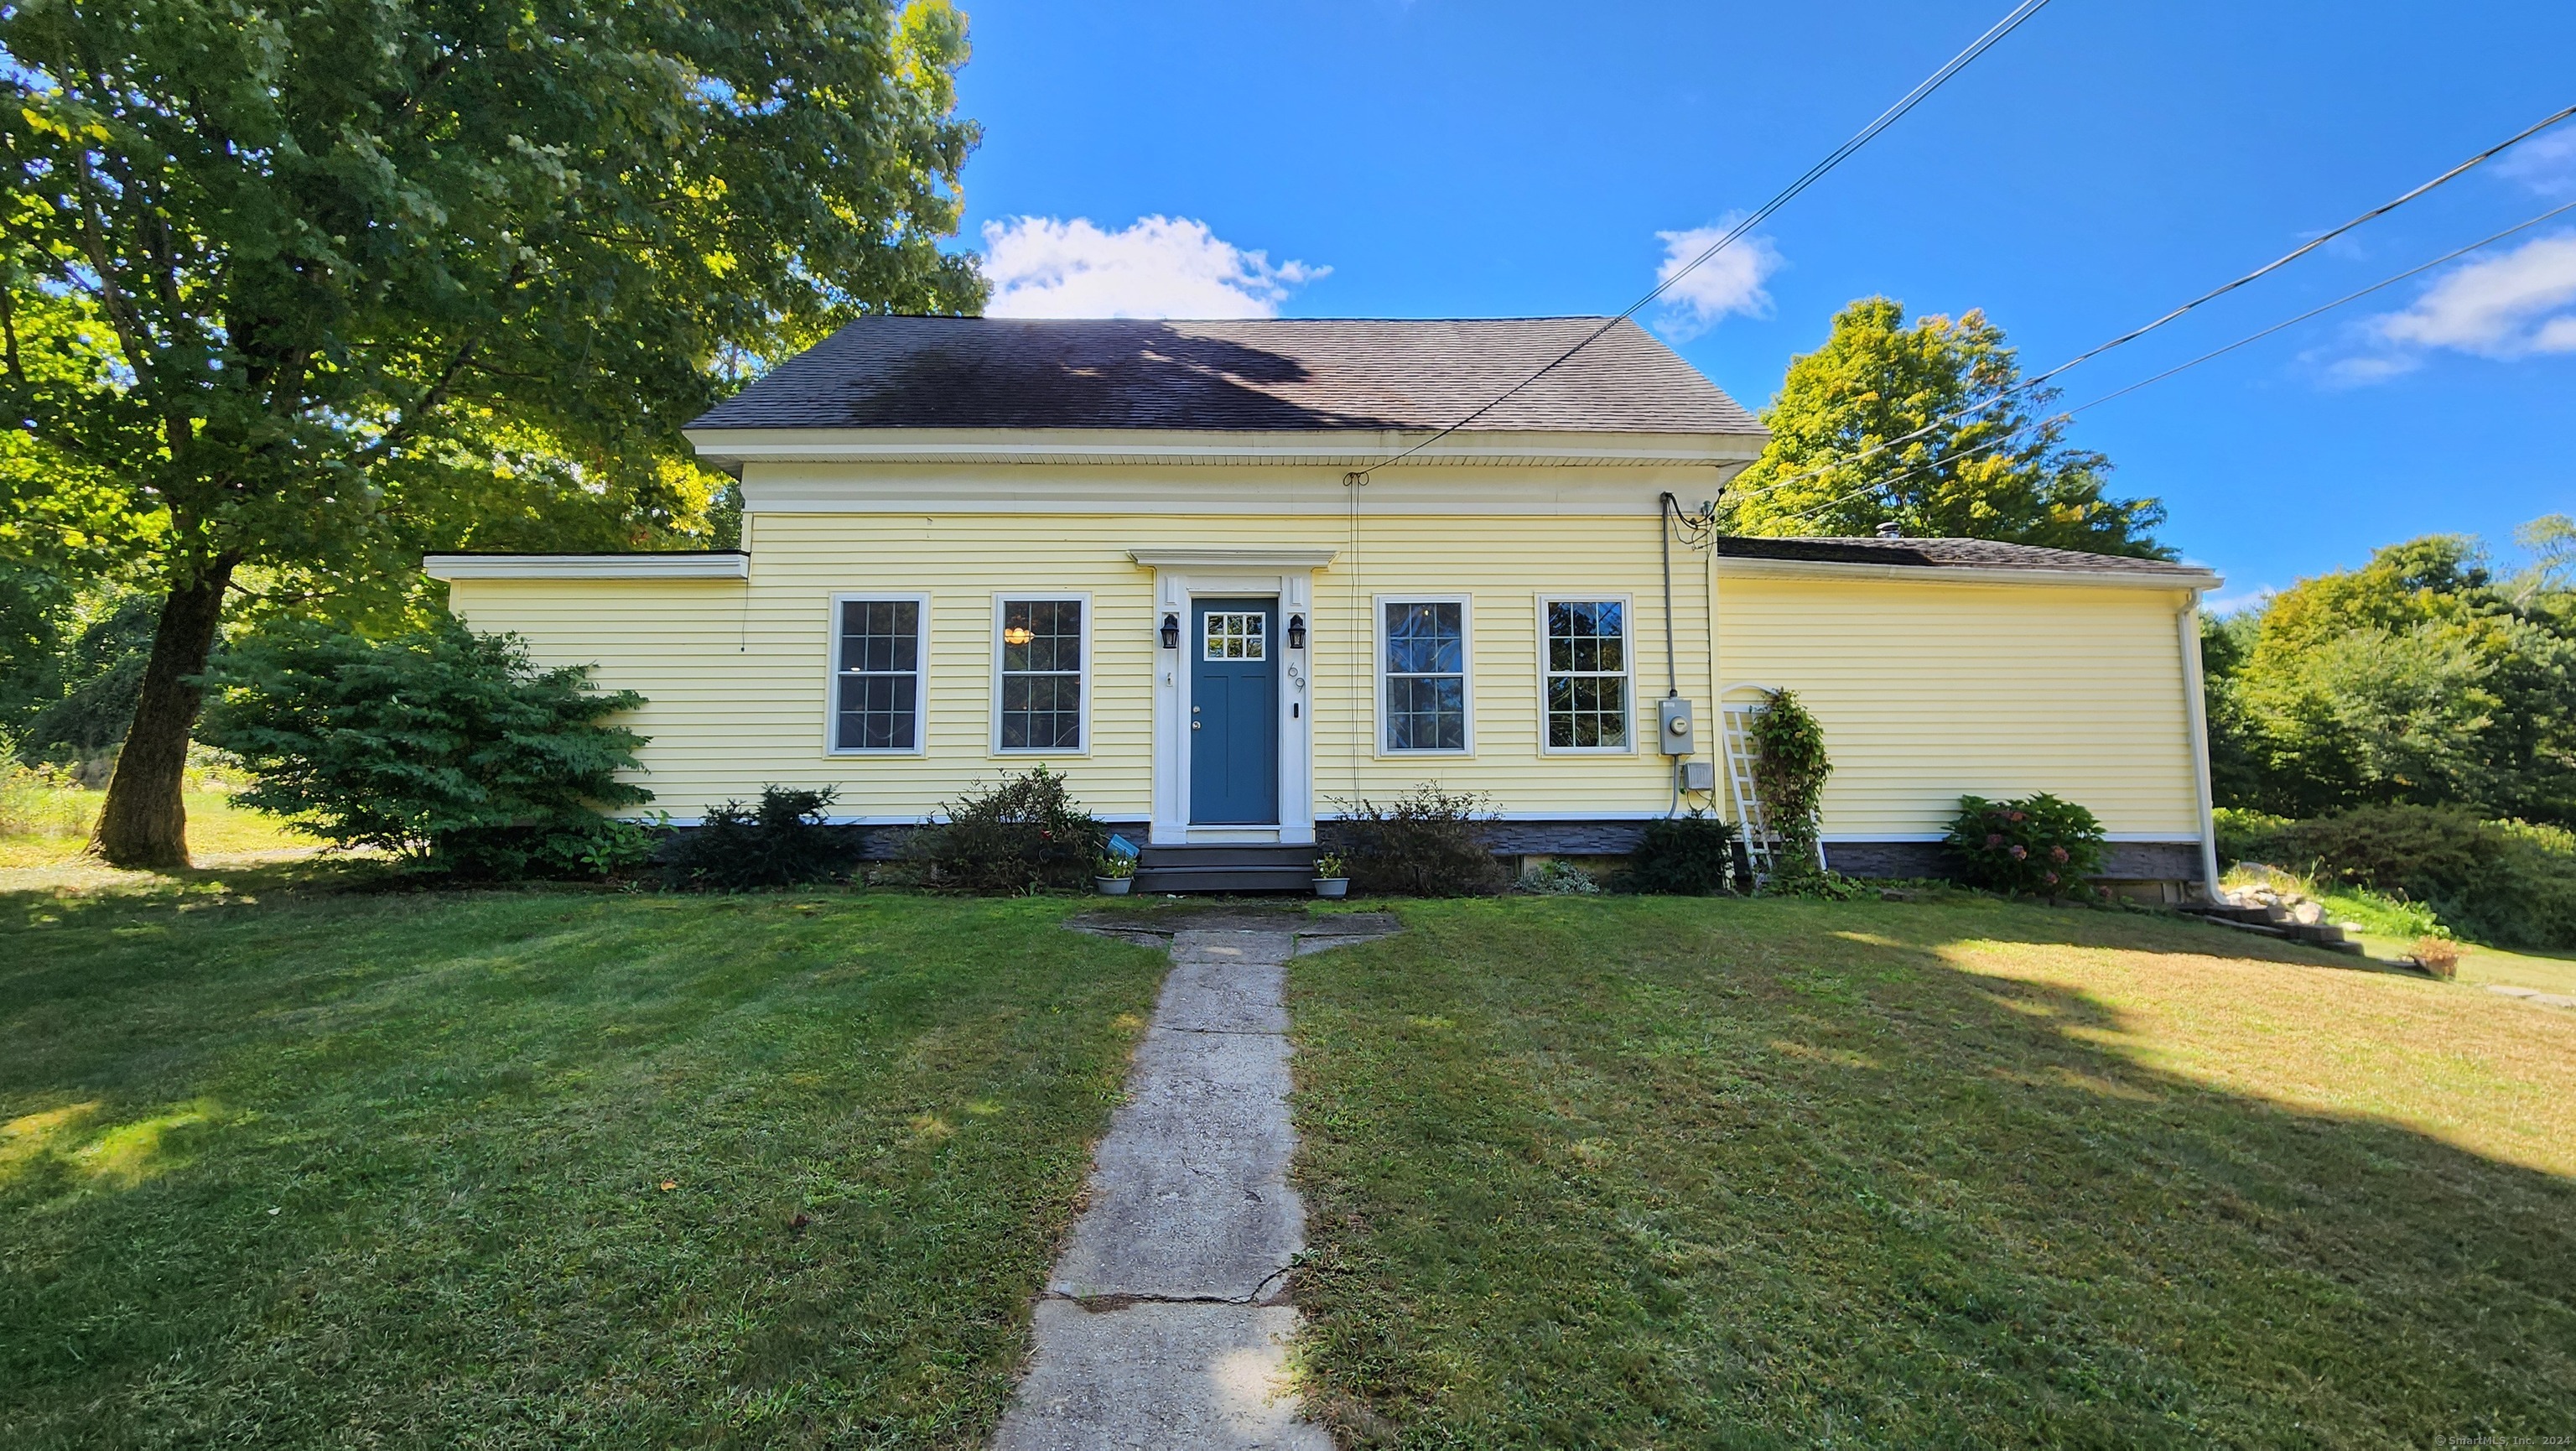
(1296, 632)
(1171, 632)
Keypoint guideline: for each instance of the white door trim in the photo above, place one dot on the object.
(1175, 587)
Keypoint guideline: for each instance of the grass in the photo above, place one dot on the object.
(1637, 1172)
(46, 826)
(287, 1167)
(2389, 928)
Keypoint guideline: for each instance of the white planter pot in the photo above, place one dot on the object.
(1332, 886)
(1113, 886)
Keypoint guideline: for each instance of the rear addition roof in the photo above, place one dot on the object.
(1958, 554)
(1266, 375)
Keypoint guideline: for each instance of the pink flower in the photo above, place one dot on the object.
(2052, 879)
(2057, 854)
(1994, 839)
(2018, 853)
(2015, 816)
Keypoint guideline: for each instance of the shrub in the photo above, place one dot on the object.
(2248, 836)
(1684, 856)
(39, 800)
(1557, 878)
(1428, 843)
(2490, 881)
(442, 746)
(1025, 832)
(2037, 845)
(782, 842)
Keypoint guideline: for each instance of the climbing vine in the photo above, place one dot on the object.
(1789, 771)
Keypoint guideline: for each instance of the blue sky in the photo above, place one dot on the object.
(2109, 160)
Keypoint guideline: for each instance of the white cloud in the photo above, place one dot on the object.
(1730, 282)
(2228, 604)
(2503, 307)
(2547, 164)
(1160, 267)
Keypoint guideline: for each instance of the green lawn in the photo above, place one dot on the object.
(288, 1167)
(49, 828)
(1674, 1173)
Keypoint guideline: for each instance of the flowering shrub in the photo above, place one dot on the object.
(1023, 833)
(2038, 845)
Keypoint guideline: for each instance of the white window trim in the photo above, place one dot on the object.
(1627, 661)
(993, 731)
(833, 673)
(1466, 670)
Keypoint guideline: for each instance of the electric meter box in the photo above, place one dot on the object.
(1675, 733)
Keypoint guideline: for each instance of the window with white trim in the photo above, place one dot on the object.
(1237, 635)
(1423, 675)
(1041, 675)
(877, 689)
(1587, 675)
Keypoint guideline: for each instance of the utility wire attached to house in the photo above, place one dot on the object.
(1890, 480)
(2133, 334)
(1889, 117)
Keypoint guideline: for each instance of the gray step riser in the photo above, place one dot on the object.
(1228, 856)
(1224, 879)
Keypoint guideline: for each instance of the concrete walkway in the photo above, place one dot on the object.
(1165, 1324)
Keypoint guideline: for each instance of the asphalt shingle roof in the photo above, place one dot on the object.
(1940, 554)
(1266, 374)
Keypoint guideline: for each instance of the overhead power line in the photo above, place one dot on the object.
(2133, 334)
(1889, 117)
(2253, 337)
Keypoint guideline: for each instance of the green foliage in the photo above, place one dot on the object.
(2418, 678)
(2039, 845)
(1023, 833)
(1427, 843)
(1557, 877)
(2000, 473)
(299, 294)
(1683, 856)
(2502, 882)
(784, 841)
(1789, 771)
(99, 673)
(442, 746)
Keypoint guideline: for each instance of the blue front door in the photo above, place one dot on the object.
(1234, 712)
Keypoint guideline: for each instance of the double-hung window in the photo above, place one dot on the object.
(876, 690)
(1039, 645)
(1422, 675)
(1586, 674)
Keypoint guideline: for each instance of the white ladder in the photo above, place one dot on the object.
(1735, 730)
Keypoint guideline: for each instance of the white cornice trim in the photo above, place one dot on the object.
(1962, 574)
(1355, 448)
(1233, 558)
(725, 565)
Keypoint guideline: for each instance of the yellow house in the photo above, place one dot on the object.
(1169, 560)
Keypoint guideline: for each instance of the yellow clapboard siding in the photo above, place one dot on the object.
(1926, 690)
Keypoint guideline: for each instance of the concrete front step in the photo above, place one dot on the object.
(1225, 879)
(1226, 867)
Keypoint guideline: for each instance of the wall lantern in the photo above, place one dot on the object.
(1171, 632)
(1296, 632)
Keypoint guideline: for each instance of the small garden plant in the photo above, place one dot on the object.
(1557, 877)
(1114, 868)
(2038, 846)
(1331, 866)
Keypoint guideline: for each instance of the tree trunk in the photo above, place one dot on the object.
(145, 820)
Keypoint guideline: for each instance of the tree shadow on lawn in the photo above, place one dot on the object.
(1683, 1173)
(298, 1167)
